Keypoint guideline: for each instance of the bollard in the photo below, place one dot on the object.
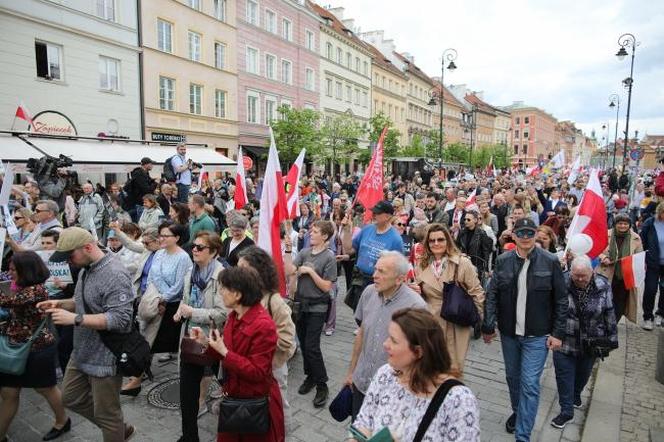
(659, 370)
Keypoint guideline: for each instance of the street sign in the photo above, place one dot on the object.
(636, 154)
(169, 138)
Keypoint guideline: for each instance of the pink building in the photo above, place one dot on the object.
(278, 64)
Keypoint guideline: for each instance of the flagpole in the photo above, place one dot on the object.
(13, 123)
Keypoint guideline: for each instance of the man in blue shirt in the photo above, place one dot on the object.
(182, 167)
(367, 246)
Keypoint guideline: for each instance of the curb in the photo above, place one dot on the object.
(605, 408)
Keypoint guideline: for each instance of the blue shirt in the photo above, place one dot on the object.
(659, 228)
(146, 272)
(181, 177)
(167, 274)
(368, 244)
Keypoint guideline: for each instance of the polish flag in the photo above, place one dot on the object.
(533, 171)
(293, 182)
(370, 191)
(471, 202)
(240, 197)
(273, 212)
(634, 270)
(590, 218)
(23, 113)
(490, 169)
(576, 169)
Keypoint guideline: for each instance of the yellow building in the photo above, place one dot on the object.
(190, 72)
(419, 115)
(388, 90)
(453, 116)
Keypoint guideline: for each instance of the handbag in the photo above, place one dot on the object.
(194, 353)
(14, 357)
(433, 407)
(148, 307)
(458, 307)
(244, 416)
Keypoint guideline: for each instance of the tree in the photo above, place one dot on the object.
(415, 149)
(296, 129)
(391, 141)
(456, 153)
(482, 156)
(433, 146)
(340, 136)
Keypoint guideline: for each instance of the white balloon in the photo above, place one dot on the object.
(580, 244)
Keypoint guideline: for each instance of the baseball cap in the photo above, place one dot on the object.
(146, 160)
(383, 207)
(524, 224)
(71, 238)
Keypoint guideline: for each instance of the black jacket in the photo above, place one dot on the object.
(546, 305)
(141, 185)
(650, 243)
(501, 215)
(231, 257)
(450, 217)
(479, 246)
(164, 203)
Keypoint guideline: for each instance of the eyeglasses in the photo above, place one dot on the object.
(41, 210)
(166, 236)
(525, 234)
(437, 240)
(17, 218)
(469, 220)
(401, 225)
(200, 247)
(147, 243)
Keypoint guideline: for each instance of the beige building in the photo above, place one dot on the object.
(190, 72)
(533, 134)
(419, 115)
(389, 92)
(502, 128)
(453, 111)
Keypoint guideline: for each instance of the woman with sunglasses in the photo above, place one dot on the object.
(442, 264)
(406, 237)
(200, 307)
(25, 226)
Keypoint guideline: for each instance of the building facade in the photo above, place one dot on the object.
(533, 134)
(78, 60)
(502, 129)
(190, 72)
(420, 116)
(278, 65)
(483, 118)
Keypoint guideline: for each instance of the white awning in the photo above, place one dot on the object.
(118, 156)
(15, 150)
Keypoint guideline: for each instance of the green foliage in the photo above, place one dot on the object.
(415, 149)
(483, 155)
(391, 142)
(456, 153)
(296, 129)
(340, 136)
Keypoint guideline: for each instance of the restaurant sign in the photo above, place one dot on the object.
(52, 123)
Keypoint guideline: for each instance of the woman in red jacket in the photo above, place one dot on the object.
(246, 350)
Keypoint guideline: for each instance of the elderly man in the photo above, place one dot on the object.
(591, 332)
(91, 210)
(378, 302)
(165, 198)
(46, 216)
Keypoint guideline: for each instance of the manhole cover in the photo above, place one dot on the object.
(166, 395)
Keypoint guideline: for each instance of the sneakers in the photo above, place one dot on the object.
(306, 386)
(658, 321)
(165, 358)
(510, 424)
(329, 332)
(561, 420)
(647, 325)
(578, 403)
(322, 394)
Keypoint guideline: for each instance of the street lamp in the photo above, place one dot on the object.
(450, 55)
(625, 41)
(614, 100)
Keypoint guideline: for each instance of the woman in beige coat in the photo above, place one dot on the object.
(623, 241)
(438, 266)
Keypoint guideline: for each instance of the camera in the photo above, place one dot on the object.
(193, 164)
(47, 166)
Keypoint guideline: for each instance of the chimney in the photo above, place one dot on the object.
(408, 57)
(338, 12)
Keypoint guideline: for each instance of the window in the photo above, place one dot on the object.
(220, 103)
(252, 60)
(349, 60)
(525, 134)
(253, 113)
(524, 149)
(309, 41)
(516, 149)
(219, 55)
(109, 74)
(357, 97)
(365, 99)
(195, 4)
(309, 79)
(194, 46)
(164, 36)
(49, 60)
(252, 12)
(340, 55)
(349, 94)
(287, 29)
(106, 9)
(195, 98)
(517, 121)
(271, 66)
(516, 134)
(270, 21)
(220, 9)
(365, 68)
(270, 109)
(526, 120)
(357, 64)
(339, 90)
(328, 87)
(286, 72)
(328, 50)
(166, 93)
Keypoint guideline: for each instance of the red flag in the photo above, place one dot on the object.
(471, 202)
(293, 182)
(23, 113)
(590, 217)
(634, 270)
(370, 191)
(240, 198)
(273, 212)
(490, 170)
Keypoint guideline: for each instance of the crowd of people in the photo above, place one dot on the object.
(446, 258)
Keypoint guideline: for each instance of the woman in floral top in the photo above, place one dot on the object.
(401, 391)
(28, 273)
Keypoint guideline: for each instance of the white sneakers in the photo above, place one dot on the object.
(647, 325)
(658, 321)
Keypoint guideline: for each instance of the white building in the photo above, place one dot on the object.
(78, 59)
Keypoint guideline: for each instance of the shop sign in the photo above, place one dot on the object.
(169, 138)
(52, 123)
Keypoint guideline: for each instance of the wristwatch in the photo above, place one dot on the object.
(78, 320)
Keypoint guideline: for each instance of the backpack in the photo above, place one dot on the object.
(169, 171)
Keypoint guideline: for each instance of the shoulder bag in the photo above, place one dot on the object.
(14, 357)
(458, 307)
(194, 353)
(433, 407)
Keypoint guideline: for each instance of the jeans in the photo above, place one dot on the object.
(183, 192)
(572, 374)
(358, 400)
(654, 280)
(309, 327)
(190, 391)
(524, 362)
(136, 212)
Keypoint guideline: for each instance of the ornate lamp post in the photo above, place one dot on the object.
(614, 100)
(450, 55)
(624, 41)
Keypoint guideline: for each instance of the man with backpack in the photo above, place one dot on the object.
(178, 169)
(139, 184)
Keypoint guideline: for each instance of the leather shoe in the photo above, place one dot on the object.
(306, 386)
(129, 431)
(322, 394)
(56, 433)
(510, 424)
(133, 392)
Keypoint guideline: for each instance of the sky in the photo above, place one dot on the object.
(555, 55)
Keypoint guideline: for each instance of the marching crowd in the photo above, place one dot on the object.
(170, 268)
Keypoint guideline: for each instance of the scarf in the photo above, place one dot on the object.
(619, 247)
(201, 276)
(438, 267)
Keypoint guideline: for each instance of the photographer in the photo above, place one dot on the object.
(591, 332)
(182, 167)
(51, 176)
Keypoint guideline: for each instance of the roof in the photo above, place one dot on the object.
(382, 61)
(449, 96)
(336, 24)
(412, 68)
(479, 103)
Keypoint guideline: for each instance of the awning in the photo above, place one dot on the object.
(15, 150)
(117, 156)
(256, 151)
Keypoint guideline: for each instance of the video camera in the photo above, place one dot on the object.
(48, 166)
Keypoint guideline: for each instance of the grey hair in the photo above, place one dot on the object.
(238, 221)
(401, 265)
(51, 205)
(255, 220)
(150, 233)
(582, 262)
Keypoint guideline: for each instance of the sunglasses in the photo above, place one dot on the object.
(200, 247)
(16, 218)
(401, 225)
(468, 220)
(525, 234)
(437, 240)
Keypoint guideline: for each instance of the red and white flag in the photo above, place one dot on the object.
(370, 191)
(634, 270)
(240, 198)
(471, 202)
(202, 177)
(590, 218)
(293, 182)
(273, 212)
(490, 170)
(23, 113)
